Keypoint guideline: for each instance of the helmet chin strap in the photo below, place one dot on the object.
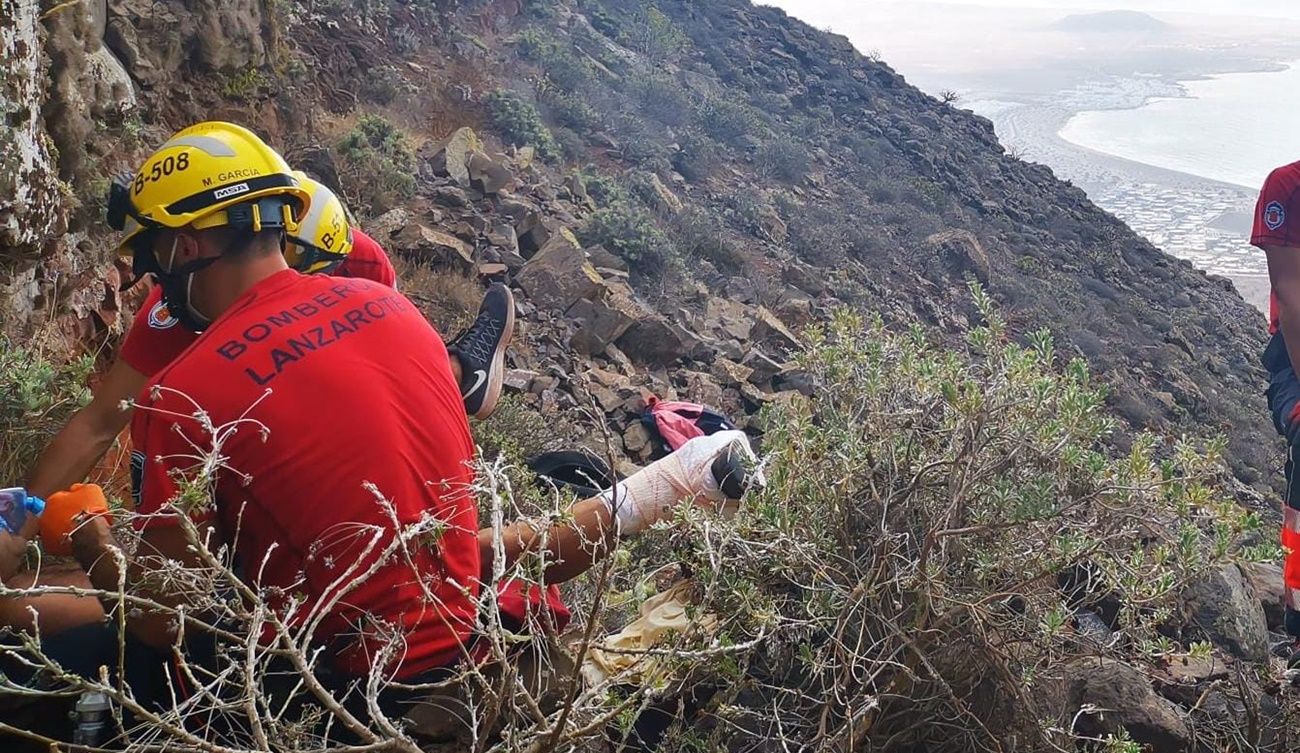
(189, 284)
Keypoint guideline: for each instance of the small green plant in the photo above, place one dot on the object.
(782, 158)
(39, 392)
(655, 35)
(571, 111)
(244, 84)
(376, 164)
(726, 120)
(518, 121)
(631, 233)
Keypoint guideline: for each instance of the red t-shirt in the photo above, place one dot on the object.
(1277, 220)
(156, 337)
(352, 386)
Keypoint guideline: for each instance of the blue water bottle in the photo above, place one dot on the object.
(15, 505)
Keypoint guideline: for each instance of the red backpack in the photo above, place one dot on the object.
(673, 423)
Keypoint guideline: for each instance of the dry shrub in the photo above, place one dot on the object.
(447, 297)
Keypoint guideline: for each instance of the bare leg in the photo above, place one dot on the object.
(457, 371)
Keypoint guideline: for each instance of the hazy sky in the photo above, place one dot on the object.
(822, 9)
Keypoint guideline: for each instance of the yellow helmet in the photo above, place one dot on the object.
(211, 174)
(323, 238)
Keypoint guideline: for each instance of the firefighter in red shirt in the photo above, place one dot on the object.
(324, 243)
(287, 352)
(1277, 232)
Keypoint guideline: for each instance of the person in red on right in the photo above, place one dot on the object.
(1277, 232)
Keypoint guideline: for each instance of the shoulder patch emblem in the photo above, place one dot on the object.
(160, 317)
(1274, 215)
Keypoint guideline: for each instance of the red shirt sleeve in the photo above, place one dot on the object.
(368, 261)
(156, 338)
(1277, 213)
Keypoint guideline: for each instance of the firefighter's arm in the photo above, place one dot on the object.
(88, 435)
(1284, 274)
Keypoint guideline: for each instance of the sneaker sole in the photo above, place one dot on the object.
(496, 369)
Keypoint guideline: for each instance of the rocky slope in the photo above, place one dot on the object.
(673, 191)
(745, 173)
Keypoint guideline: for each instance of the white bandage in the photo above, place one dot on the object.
(649, 495)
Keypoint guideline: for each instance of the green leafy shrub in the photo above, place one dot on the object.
(518, 121)
(376, 165)
(697, 234)
(563, 68)
(663, 99)
(571, 111)
(38, 394)
(782, 158)
(920, 508)
(654, 34)
(603, 188)
(631, 233)
(725, 120)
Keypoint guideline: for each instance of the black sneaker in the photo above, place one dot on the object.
(482, 351)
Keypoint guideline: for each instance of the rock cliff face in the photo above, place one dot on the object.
(673, 190)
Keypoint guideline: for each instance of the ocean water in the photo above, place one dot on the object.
(1233, 128)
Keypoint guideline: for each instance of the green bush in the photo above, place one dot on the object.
(376, 165)
(726, 120)
(902, 564)
(518, 121)
(783, 158)
(663, 99)
(603, 189)
(571, 111)
(631, 233)
(563, 68)
(654, 34)
(38, 394)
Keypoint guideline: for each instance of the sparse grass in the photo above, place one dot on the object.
(40, 389)
(447, 298)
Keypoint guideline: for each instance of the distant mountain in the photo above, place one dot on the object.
(1111, 22)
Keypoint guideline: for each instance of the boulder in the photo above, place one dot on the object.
(433, 244)
(489, 175)
(636, 438)
(958, 253)
(1108, 695)
(449, 196)
(451, 156)
(1224, 606)
(388, 224)
(1266, 579)
(655, 341)
(602, 321)
(762, 367)
(770, 330)
(661, 197)
(731, 374)
(701, 387)
(518, 380)
(534, 231)
(601, 258)
(559, 275)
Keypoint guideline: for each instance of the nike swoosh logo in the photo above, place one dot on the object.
(480, 376)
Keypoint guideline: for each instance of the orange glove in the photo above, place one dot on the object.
(61, 512)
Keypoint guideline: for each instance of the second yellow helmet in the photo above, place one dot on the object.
(323, 238)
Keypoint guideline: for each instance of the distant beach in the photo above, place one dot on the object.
(1200, 219)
